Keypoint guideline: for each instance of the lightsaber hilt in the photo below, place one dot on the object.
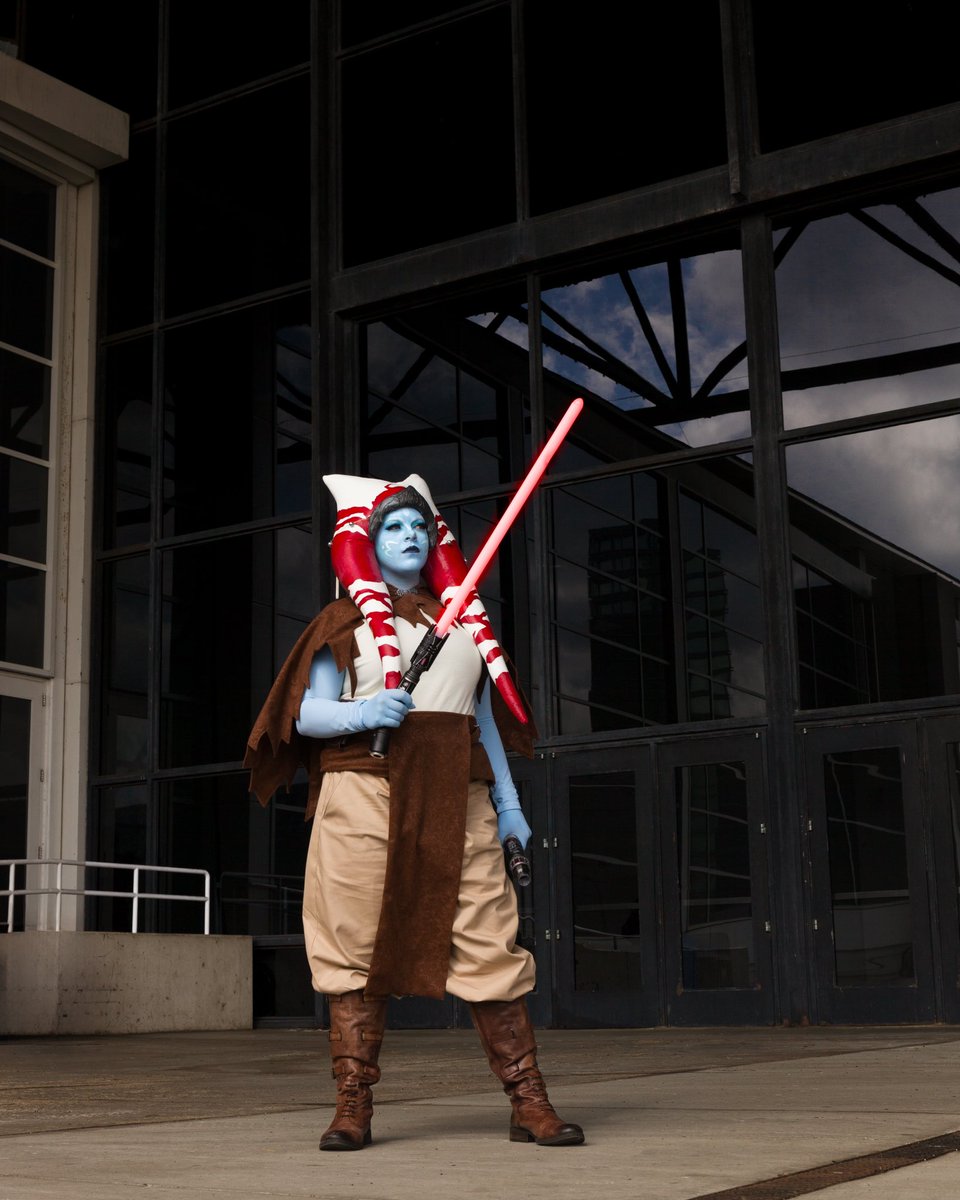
(517, 862)
(422, 660)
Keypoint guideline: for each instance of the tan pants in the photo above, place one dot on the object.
(345, 869)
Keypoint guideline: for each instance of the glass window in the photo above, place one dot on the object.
(28, 210)
(128, 431)
(722, 613)
(716, 897)
(270, 900)
(125, 664)
(878, 543)
(214, 824)
(27, 245)
(872, 927)
(127, 280)
(835, 641)
(237, 417)
(869, 308)
(22, 591)
(613, 635)
(589, 82)
(604, 882)
(24, 404)
(121, 838)
(238, 198)
(210, 54)
(446, 393)
(658, 352)
(631, 555)
(23, 509)
(864, 70)
(26, 303)
(234, 605)
(438, 161)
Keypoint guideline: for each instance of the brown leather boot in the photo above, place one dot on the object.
(356, 1032)
(507, 1037)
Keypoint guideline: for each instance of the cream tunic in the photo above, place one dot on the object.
(449, 686)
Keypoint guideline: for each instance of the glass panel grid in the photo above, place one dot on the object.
(658, 351)
(430, 414)
(612, 621)
(28, 210)
(869, 308)
(725, 672)
(876, 548)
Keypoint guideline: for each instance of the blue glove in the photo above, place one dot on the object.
(323, 714)
(512, 821)
(387, 708)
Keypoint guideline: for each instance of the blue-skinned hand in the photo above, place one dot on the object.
(512, 821)
(387, 709)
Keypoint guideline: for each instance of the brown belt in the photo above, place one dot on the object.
(352, 753)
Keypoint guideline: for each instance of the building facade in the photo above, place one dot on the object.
(388, 238)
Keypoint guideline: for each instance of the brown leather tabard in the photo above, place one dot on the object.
(432, 758)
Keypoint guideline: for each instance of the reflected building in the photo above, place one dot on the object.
(733, 602)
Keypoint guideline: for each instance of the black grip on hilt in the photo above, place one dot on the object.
(380, 743)
(517, 862)
(428, 649)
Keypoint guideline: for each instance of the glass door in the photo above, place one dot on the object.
(872, 936)
(21, 786)
(604, 939)
(942, 789)
(717, 957)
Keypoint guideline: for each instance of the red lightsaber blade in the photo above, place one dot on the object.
(432, 641)
(490, 546)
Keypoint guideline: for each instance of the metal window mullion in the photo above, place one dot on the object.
(789, 899)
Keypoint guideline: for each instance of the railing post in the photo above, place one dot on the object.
(12, 884)
(59, 896)
(206, 902)
(136, 898)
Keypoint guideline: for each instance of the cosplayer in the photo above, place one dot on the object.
(405, 890)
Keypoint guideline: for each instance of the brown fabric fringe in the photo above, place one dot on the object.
(275, 749)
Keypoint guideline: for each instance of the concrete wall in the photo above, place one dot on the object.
(89, 983)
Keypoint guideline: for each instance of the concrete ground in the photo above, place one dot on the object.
(742, 1114)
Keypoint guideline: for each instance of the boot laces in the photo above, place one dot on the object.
(348, 1101)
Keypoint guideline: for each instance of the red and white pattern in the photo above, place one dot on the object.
(355, 564)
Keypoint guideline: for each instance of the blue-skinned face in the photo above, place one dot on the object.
(402, 546)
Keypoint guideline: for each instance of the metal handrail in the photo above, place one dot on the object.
(136, 895)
